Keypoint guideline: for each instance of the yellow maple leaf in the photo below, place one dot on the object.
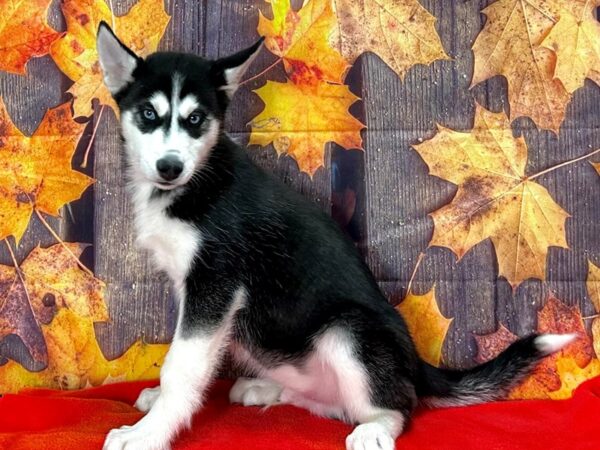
(35, 172)
(302, 40)
(510, 45)
(426, 324)
(75, 359)
(401, 32)
(494, 199)
(24, 33)
(299, 119)
(75, 53)
(597, 165)
(576, 41)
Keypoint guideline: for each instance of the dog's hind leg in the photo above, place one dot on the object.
(379, 424)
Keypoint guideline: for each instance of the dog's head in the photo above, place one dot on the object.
(172, 106)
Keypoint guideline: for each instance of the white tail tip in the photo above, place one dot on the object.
(550, 343)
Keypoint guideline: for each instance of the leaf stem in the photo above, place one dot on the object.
(260, 73)
(412, 277)
(89, 147)
(565, 163)
(61, 242)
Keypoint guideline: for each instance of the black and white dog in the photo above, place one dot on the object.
(262, 273)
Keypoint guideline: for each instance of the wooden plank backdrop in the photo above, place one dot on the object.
(381, 196)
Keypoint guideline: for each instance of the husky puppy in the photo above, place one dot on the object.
(262, 273)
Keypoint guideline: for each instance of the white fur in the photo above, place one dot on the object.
(233, 76)
(117, 64)
(187, 371)
(160, 103)
(550, 343)
(188, 105)
(172, 242)
(331, 383)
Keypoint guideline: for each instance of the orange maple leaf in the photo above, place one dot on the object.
(426, 324)
(302, 40)
(559, 374)
(593, 287)
(35, 172)
(75, 53)
(401, 32)
(510, 44)
(75, 359)
(24, 33)
(495, 199)
(52, 280)
(299, 119)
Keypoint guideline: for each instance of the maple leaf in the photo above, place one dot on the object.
(75, 53)
(401, 32)
(510, 45)
(52, 281)
(494, 199)
(16, 316)
(491, 345)
(35, 172)
(593, 287)
(426, 324)
(576, 41)
(24, 33)
(299, 119)
(558, 374)
(597, 165)
(302, 40)
(75, 359)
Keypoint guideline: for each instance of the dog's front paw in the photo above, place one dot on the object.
(147, 398)
(135, 438)
(370, 436)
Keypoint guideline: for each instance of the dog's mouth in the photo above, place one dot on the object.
(165, 185)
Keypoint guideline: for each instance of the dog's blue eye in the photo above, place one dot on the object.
(194, 119)
(149, 114)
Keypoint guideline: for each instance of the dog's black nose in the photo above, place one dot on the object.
(169, 167)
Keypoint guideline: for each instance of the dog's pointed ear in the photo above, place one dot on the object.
(227, 72)
(117, 61)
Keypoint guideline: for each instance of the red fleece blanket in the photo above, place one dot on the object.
(79, 420)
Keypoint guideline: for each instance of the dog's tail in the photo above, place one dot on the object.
(492, 380)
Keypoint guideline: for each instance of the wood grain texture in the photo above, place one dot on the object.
(393, 193)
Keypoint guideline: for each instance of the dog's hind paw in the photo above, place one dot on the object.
(147, 398)
(254, 392)
(370, 436)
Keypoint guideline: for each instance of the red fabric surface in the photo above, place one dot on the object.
(79, 420)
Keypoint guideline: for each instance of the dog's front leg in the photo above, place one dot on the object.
(189, 366)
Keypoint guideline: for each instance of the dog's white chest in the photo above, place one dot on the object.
(172, 242)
